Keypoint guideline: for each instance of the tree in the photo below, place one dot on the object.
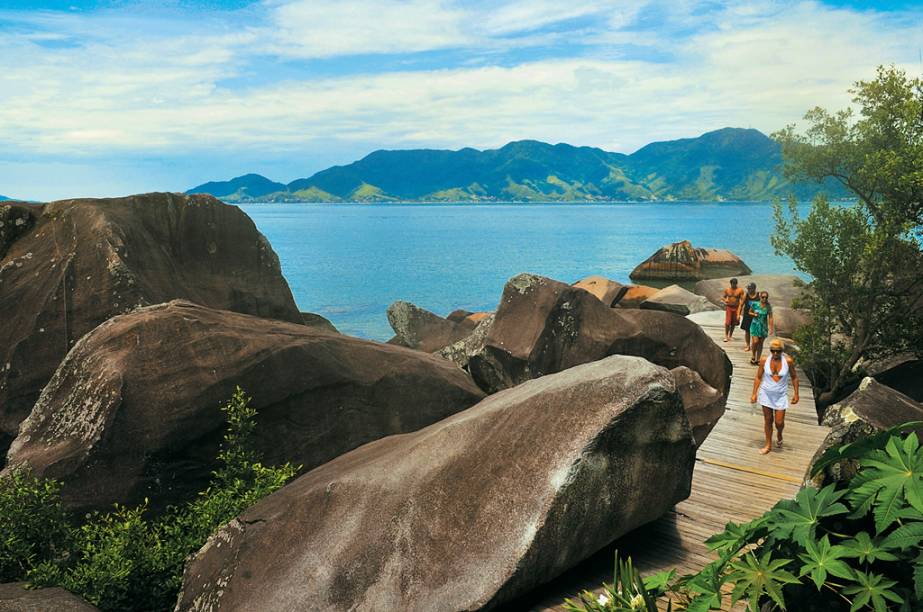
(866, 293)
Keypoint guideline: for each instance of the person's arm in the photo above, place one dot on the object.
(759, 378)
(794, 371)
(771, 325)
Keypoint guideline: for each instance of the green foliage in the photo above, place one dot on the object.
(798, 519)
(34, 525)
(755, 577)
(864, 260)
(822, 558)
(629, 592)
(850, 546)
(123, 560)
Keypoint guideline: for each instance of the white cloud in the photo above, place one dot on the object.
(326, 28)
(124, 88)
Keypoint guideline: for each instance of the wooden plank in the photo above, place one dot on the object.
(731, 482)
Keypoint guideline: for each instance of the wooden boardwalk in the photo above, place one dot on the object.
(731, 482)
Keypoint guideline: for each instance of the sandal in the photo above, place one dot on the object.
(754, 362)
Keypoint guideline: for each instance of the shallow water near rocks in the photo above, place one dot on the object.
(348, 262)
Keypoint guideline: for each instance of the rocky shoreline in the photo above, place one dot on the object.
(461, 464)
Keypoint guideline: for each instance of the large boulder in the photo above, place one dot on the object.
(133, 411)
(677, 300)
(681, 261)
(871, 408)
(84, 261)
(608, 291)
(902, 373)
(16, 597)
(635, 295)
(783, 290)
(461, 352)
(467, 513)
(543, 326)
(703, 403)
(423, 330)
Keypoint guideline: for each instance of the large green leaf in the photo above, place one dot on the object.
(736, 536)
(822, 558)
(861, 447)
(904, 536)
(753, 578)
(799, 518)
(890, 479)
(872, 589)
(866, 550)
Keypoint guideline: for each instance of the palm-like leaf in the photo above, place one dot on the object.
(822, 558)
(872, 589)
(890, 479)
(799, 518)
(866, 550)
(753, 578)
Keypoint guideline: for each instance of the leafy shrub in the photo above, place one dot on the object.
(122, 560)
(35, 525)
(629, 592)
(848, 546)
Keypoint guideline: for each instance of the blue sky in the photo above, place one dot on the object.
(108, 97)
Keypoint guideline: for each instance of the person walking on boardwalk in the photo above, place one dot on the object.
(761, 325)
(731, 298)
(771, 390)
(744, 314)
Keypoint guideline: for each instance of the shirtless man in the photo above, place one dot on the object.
(731, 298)
(771, 390)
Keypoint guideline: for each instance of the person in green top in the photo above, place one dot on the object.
(761, 325)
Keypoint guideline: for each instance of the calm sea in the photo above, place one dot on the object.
(348, 262)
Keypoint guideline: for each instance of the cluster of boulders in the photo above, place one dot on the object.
(532, 436)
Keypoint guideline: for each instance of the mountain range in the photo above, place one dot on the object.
(726, 164)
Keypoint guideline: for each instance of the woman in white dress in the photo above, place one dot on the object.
(771, 390)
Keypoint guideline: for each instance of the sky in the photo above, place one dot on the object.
(112, 97)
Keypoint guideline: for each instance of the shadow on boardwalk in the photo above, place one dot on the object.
(731, 482)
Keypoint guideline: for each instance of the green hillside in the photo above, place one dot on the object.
(727, 164)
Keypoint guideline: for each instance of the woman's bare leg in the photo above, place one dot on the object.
(746, 340)
(780, 425)
(767, 429)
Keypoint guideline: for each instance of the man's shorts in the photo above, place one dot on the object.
(730, 316)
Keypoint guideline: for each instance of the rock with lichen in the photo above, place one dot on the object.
(79, 262)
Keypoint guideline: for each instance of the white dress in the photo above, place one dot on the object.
(774, 394)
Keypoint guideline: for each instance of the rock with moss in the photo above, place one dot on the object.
(133, 412)
(420, 329)
(465, 514)
(461, 352)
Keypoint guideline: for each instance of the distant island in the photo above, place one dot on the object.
(726, 164)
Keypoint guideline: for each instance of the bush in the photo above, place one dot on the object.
(122, 560)
(849, 546)
(35, 525)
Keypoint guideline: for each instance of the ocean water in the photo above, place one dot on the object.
(348, 262)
